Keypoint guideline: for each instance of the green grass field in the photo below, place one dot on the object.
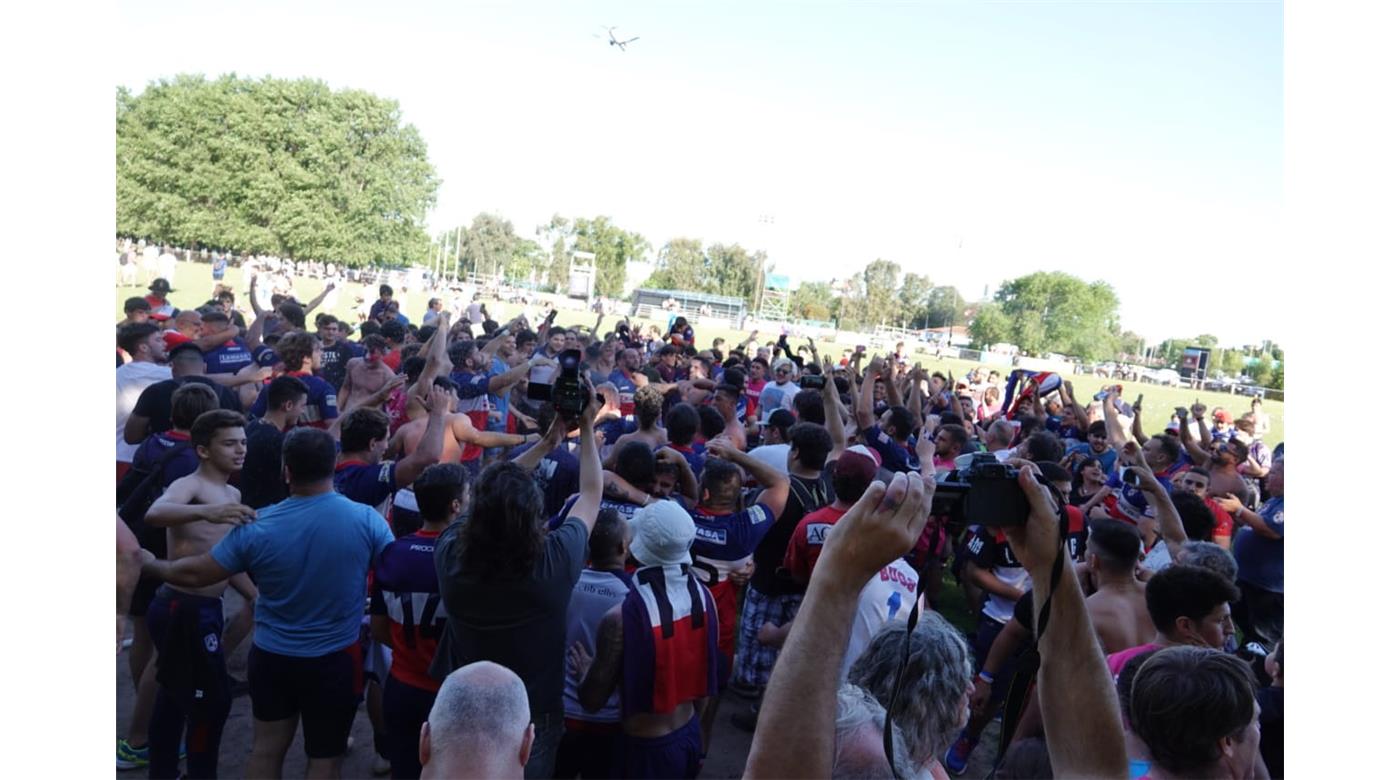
(193, 285)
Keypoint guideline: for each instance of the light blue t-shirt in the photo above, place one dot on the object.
(310, 557)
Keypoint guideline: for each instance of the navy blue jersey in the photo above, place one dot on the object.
(724, 541)
(694, 455)
(615, 429)
(367, 484)
(893, 455)
(404, 588)
(556, 475)
(228, 358)
(320, 401)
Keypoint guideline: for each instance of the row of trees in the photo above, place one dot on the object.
(490, 246)
(273, 166)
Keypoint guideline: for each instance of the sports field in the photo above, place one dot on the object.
(193, 285)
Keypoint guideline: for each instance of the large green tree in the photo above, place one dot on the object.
(879, 298)
(1056, 312)
(945, 307)
(613, 248)
(680, 266)
(812, 301)
(291, 168)
(914, 295)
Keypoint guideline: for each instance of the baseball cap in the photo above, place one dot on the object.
(160, 286)
(662, 534)
(174, 338)
(1223, 416)
(779, 417)
(136, 303)
(855, 465)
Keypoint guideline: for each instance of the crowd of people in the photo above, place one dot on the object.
(420, 524)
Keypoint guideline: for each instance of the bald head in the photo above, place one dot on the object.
(187, 323)
(479, 725)
(1000, 435)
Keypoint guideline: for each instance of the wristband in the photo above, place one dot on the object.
(986, 678)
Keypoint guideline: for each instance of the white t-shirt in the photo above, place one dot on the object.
(774, 455)
(132, 378)
(888, 596)
(788, 389)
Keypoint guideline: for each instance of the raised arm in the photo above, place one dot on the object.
(1083, 730)
(1116, 437)
(1081, 415)
(253, 297)
(796, 735)
(1138, 435)
(831, 406)
(916, 392)
(865, 401)
(1168, 519)
(686, 482)
(774, 483)
(206, 343)
(590, 466)
(255, 329)
(429, 448)
(1199, 455)
(552, 438)
(308, 308)
(507, 379)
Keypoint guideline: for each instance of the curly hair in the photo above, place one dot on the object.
(505, 524)
(649, 402)
(930, 707)
(294, 349)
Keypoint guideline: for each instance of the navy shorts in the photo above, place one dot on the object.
(677, 754)
(324, 690)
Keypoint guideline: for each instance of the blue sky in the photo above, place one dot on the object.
(1139, 143)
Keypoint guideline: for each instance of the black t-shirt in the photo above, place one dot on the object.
(804, 496)
(1271, 729)
(154, 401)
(260, 481)
(333, 363)
(519, 624)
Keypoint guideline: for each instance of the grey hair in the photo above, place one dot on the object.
(1002, 431)
(857, 711)
(481, 709)
(1210, 555)
(929, 708)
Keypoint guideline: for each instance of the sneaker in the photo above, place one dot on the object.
(129, 757)
(955, 760)
(746, 720)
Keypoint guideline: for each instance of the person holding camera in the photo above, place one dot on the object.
(506, 583)
(795, 737)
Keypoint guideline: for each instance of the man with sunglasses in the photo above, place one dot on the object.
(778, 393)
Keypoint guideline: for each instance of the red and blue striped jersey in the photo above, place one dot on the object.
(670, 641)
(404, 587)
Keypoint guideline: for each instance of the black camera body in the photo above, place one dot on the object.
(567, 394)
(811, 382)
(985, 493)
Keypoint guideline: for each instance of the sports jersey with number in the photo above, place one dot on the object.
(889, 595)
(404, 587)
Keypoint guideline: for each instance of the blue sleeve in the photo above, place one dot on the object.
(379, 534)
(1273, 517)
(473, 387)
(259, 407)
(232, 551)
(326, 401)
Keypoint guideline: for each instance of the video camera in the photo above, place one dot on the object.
(567, 392)
(984, 493)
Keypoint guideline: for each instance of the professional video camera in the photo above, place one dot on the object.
(567, 393)
(984, 493)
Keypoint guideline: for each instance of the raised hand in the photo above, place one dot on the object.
(883, 525)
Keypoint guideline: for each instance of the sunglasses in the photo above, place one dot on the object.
(1193, 485)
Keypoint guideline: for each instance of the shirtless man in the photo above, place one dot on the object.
(648, 402)
(366, 375)
(186, 623)
(727, 399)
(457, 431)
(1118, 609)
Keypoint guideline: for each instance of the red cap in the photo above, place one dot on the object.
(174, 338)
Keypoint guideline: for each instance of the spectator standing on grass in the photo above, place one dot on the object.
(506, 584)
(310, 556)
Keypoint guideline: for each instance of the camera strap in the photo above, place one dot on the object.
(933, 568)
